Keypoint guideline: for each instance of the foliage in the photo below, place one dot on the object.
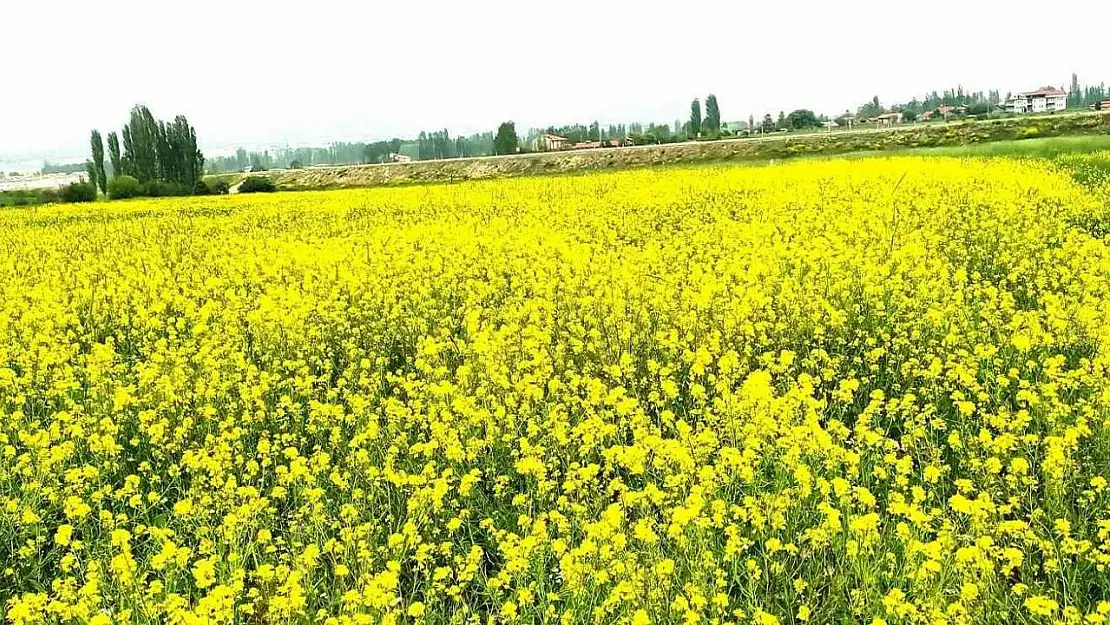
(342, 153)
(140, 145)
(870, 109)
(577, 133)
(164, 188)
(694, 125)
(975, 135)
(712, 122)
(28, 197)
(154, 151)
(217, 186)
(1082, 97)
(802, 119)
(257, 184)
(90, 173)
(506, 141)
(123, 186)
(55, 168)
(79, 192)
(98, 175)
(979, 108)
(826, 392)
(114, 155)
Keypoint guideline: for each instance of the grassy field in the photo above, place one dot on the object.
(839, 391)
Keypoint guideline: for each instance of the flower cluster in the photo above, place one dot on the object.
(841, 391)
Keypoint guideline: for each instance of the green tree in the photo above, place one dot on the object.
(101, 178)
(874, 108)
(179, 158)
(114, 155)
(79, 191)
(140, 144)
(90, 171)
(712, 115)
(768, 124)
(506, 141)
(695, 118)
(802, 118)
(979, 108)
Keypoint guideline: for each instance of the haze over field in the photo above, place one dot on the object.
(255, 73)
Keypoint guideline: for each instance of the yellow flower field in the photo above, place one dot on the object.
(865, 391)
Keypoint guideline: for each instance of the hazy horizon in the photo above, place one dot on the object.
(255, 74)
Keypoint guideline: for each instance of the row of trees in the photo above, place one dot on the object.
(156, 151)
(710, 125)
(427, 146)
(160, 156)
(1081, 97)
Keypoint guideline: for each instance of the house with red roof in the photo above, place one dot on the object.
(1043, 100)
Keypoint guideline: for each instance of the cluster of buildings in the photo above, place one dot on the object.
(555, 143)
(1044, 100)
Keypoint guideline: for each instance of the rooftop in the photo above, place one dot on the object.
(1045, 91)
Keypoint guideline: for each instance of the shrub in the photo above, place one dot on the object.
(218, 186)
(123, 187)
(162, 188)
(79, 192)
(28, 197)
(257, 184)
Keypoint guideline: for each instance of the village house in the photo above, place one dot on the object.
(888, 119)
(1044, 100)
(551, 143)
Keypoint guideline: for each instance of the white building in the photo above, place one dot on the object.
(1046, 100)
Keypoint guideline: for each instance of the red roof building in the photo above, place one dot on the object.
(1043, 100)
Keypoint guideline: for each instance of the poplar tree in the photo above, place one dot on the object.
(712, 115)
(98, 176)
(695, 117)
(114, 155)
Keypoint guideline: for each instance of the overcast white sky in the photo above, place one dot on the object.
(271, 72)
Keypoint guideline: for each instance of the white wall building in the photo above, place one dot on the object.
(1045, 100)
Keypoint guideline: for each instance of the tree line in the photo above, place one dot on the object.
(155, 158)
(705, 123)
(428, 145)
(1081, 97)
